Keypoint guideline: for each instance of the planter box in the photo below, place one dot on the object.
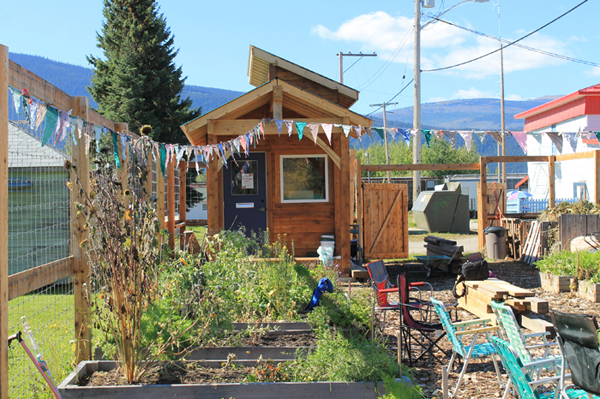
(275, 353)
(290, 390)
(589, 291)
(555, 284)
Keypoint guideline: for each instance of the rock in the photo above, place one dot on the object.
(589, 243)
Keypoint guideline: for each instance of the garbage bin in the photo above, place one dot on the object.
(495, 238)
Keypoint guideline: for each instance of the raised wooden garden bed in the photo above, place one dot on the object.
(275, 390)
(558, 284)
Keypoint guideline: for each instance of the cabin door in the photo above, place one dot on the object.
(245, 193)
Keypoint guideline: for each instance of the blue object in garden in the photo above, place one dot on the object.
(324, 285)
(518, 194)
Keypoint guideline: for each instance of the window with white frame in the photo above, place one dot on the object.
(304, 178)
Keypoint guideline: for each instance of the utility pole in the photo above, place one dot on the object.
(502, 115)
(417, 103)
(385, 136)
(341, 56)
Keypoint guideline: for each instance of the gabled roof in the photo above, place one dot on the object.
(294, 99)
(258, 72)
(587, 92)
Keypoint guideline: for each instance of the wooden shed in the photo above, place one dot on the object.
(300, 188)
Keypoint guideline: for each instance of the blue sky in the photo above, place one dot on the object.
(213, 38)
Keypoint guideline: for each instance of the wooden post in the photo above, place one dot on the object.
(345, 210)
(551, 181)
(337, 196)
(171, 202)
(597, 176)
(277, 102)
(160, 192)
(352, 185)
(124, 161)
(182, 200)
(482, 216)
(212, 185)
(359, 201)
(81, 268)
(4, 222)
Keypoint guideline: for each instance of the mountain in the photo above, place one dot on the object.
(73, 79)
(470, 114)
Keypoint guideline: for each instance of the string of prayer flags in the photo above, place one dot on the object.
(51, 121)
(346, 130)
(521, 138)
(116, 150)
(497, 136)
(369, 132)
(405, 134)
(380, 132)
(451, 138)
(480, 135)
(279, 124)
(358, 129)
(289, 127)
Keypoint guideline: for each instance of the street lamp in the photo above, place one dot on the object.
(417, 100)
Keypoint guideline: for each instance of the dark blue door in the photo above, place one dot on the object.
(245, 193)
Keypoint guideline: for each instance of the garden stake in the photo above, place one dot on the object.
(41, 365)
(445, 382)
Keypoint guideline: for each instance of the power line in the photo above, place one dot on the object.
(508, 45)
(548, 53)
(391, 99)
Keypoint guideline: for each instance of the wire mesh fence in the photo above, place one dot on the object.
(38, 234)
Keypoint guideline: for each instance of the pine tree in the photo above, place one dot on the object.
(138, 82)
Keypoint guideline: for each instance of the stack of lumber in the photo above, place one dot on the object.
(525, 305)
(532, 250)
(441, 246)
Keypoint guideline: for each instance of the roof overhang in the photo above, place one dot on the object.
(258, 72)
(588, 91)
(313, 106)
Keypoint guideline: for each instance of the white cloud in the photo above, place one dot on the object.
(443, 45)
(595, 71)
(436, 99)
(513, 97)
(473, 93)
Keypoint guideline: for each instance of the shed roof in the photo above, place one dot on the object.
(295, 99)
(258, 72)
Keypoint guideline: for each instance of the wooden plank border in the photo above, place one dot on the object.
(33, 279)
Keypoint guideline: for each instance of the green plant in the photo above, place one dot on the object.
(564, 263)
(125, 249)
(399, 390)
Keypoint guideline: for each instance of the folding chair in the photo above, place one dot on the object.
(510, 331)
(423, 333)
(474, 350)
(520, 375)
(380, 282)
(577, 336)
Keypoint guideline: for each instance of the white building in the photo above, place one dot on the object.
(576, 112)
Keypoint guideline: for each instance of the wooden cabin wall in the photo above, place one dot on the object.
(302, 223)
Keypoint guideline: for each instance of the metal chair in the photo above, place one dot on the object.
(577, 336)
(520, 375)
(420, 332)
(510, 331)
(455, 332)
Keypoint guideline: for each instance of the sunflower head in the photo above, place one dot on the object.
(146, 130)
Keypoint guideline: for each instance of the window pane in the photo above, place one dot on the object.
(244, 178)
(304, 178)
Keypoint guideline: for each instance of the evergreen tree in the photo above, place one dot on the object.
(138, 82)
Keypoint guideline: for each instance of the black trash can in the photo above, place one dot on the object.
(495, 238)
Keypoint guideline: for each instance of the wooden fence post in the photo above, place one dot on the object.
(171, 202)
(3, 222)
(182, 201)
(160, 193)
(482, 205)
(124, 161)
(81, 268)
(551, 182)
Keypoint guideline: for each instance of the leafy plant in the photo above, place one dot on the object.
(564, 263)
(125, 250)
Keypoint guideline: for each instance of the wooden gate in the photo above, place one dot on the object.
(385, 220)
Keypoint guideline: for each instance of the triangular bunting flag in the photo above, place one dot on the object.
(369, 132)
(497, 136)
(346, 130)
(300, 129)
(380, 132)
(480, 135)
(537, 137)
(392, 131)
(116, 150)
(51, 122)
(406, 135)
(571, 139)
(451, 137)
(289, 126)
(279, 124)
(467, 136)
(358, 131)
(328, 129)
(314, 130)
(556, 140)
(521, 138)
(427, 134)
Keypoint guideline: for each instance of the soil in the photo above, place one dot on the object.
(480, 380)
(273, 340)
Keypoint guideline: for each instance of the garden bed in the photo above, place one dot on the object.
(181, 385)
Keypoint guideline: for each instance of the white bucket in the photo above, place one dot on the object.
(328, 244)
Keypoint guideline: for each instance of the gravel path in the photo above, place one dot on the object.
(480, 381)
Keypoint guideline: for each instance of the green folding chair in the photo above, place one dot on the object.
(577, 336)
(455, 332)
(509, 330)
(520, 375)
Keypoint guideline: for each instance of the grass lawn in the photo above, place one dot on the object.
(199, 231)
(51, 318)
